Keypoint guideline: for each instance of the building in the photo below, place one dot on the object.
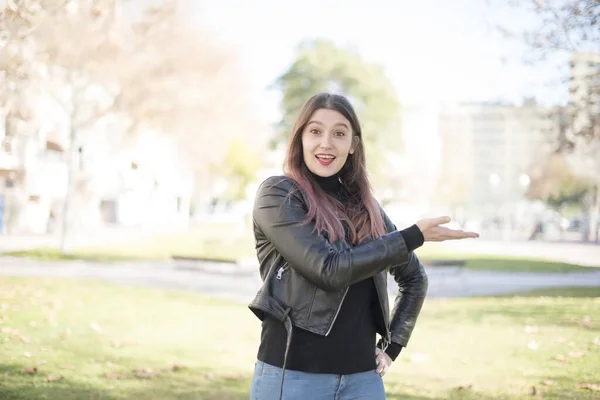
(487, 154)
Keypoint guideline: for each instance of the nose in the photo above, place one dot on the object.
(326, 142)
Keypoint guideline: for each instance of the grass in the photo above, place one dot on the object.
(498, 263)
(156, 248)
(156, 344)
(209, 245)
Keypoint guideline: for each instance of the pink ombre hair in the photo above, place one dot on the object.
(362, 215)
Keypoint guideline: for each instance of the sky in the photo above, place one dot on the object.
(433, 51)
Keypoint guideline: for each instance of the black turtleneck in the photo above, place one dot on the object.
(349, 347)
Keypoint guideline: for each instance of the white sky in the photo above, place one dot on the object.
(433, 50)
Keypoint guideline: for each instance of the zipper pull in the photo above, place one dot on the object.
(280, 272)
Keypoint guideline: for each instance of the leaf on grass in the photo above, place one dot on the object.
(560, 357)
(176, 367)
(594, 387)
(53, 378)
(65, 334)
(32, 323)
(587, 322)
(96, 327)
(547, 382)
(234, 377)
(145, 373)
(115, 375)
(67, 366)
(596, 342)
(533, 391)
(6, 329)
(464, 387)
(41, 362)
(27, 354)
(210, 376)
(24, 339)
(576, 354)
(30, 370)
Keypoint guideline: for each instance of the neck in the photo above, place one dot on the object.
(330, 184)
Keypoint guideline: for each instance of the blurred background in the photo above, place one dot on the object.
(134, 134)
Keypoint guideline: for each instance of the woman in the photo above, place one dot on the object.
(325, 248)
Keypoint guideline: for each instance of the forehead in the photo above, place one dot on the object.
(328, 117)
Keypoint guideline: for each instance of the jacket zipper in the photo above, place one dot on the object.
(280, 272)
(388, 333)
(336, 313)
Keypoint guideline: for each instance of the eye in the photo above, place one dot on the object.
(314, 131)
(340, 133)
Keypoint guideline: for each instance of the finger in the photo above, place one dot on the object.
(439, 221)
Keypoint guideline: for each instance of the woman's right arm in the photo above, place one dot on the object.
(279, 217)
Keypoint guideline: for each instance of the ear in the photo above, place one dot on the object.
(355, 142)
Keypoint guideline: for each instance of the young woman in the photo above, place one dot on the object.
(325, 248)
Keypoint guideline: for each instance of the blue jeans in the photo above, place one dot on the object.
(302, 385)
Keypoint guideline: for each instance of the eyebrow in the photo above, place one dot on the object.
(337, 124)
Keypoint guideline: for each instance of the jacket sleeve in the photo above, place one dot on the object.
(280, 218)
(412, 289)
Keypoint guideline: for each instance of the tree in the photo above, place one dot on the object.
(143, 67)
(554, 183)
(573, 27)
(321, 66)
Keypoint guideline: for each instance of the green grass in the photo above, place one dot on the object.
(498, 263)
(479, 348)
(157, 248)
(210, 246)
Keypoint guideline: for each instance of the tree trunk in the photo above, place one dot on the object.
(71, 171)
(593, 214)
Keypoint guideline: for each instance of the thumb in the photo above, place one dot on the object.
(439, 221)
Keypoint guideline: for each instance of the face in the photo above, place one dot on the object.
(327, 140)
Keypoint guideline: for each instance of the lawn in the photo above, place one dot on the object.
(67, 339)
(198, 245)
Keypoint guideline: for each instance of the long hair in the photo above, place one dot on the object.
(362, 215)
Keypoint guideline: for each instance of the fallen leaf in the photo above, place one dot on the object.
(41, 362)
(176, 367)
(96, 327)
(560, 357)
(575, 354)
(145, 373)
(24, 339)
(67, 366)
(571, 344)
(596, 342)
(27, 354)
(210, 376)
(109, 364)
(65, 334)
(114, 375)
(464, 387)
(560, 340)
(547, 382)
(53, 378)
(6, 329)
(594, 387)
(587, 321)
(32, 323)
(30, 370)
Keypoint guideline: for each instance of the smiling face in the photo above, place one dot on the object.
(327, 140)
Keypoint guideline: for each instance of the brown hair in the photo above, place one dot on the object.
(362, 215)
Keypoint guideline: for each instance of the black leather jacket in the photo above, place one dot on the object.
(305, 277)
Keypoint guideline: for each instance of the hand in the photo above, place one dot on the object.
(383, 361)
(433, 232)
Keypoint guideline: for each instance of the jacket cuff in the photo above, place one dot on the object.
(413, 237)
(393, 349)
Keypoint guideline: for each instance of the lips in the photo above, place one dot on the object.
(325, 159)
